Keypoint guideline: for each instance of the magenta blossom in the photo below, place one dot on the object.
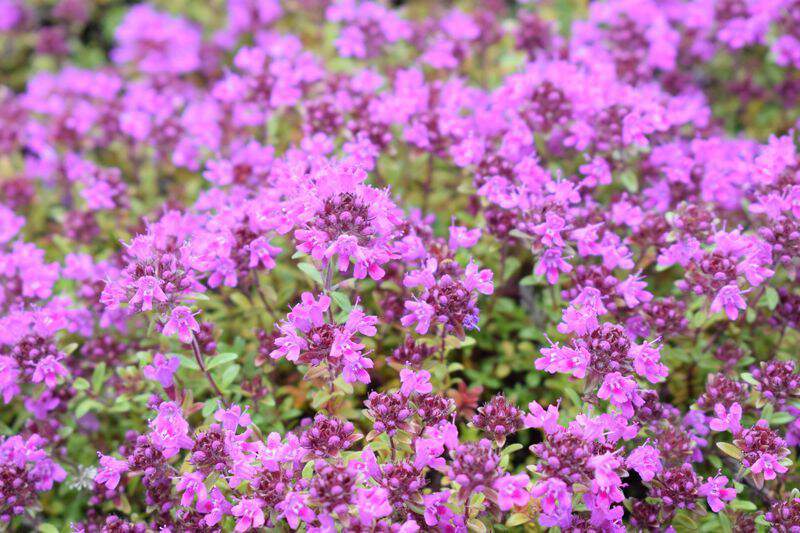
(182, 323)
(512, 491)
(162, 369)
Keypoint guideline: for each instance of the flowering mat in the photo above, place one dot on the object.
(342, 265)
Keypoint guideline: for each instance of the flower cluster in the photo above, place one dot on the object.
(350, 265)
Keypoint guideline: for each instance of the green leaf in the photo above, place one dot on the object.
(320, 397)
(47, 528)
(767, 412)
(80, 384)
(742, 505)
(342, 301)
(573, 396)
(512, 448)
(698, 319)
(629, 180)
(87, 405)
(98, 377)
(517, 519)
(210, 406)
(747, 377)
(311, 271)
(730, 449)
(188, 362)
(771, 298)
(221, 359)
(308, 470)
(476, 525)
(781, 418)
(229, 375)
(69, 348)
(121, 405)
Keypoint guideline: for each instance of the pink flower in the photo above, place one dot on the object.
(768, 465)
(647, 362)
(293, 508)
(182, 323)
(427, 453)
(716, 493)
(420, 313)
(461, 237)
(162, 369)
(620, 391)
(550, 230)
(567, 360)
(512, 491)
(169, 430)
(729, 298)
(233, 417)
(48, 370)
(645, 460)
(250, 514)
(372, 503)
(412, 382)
(436, 509)
(9, 375)
(215, 507)
(633, 291)
(578, 320)
(727, 420)
(192, 484)
(110, 470)
(555, 500)
(148, 288)
(480, 280)
(550, 264)
(539, 418)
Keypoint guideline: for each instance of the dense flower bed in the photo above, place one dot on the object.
(340, 265)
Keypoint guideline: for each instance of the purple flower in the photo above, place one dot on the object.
(716, 493)
(512, 491)
(169, 430)
(727, 419)
(110, 471)
(250, 514)
(192, 484)
(729, 298)
(162, 369)
(181, 323)
(233, 417)
(294, 508)
(415, 382)
(769, 466)
(646, 461)
(372, 503)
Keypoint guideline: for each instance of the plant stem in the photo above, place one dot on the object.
(267, 307)
(199, 358)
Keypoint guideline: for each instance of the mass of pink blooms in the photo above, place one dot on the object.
(344, 265)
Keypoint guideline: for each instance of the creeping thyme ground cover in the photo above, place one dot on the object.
(334, 265)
